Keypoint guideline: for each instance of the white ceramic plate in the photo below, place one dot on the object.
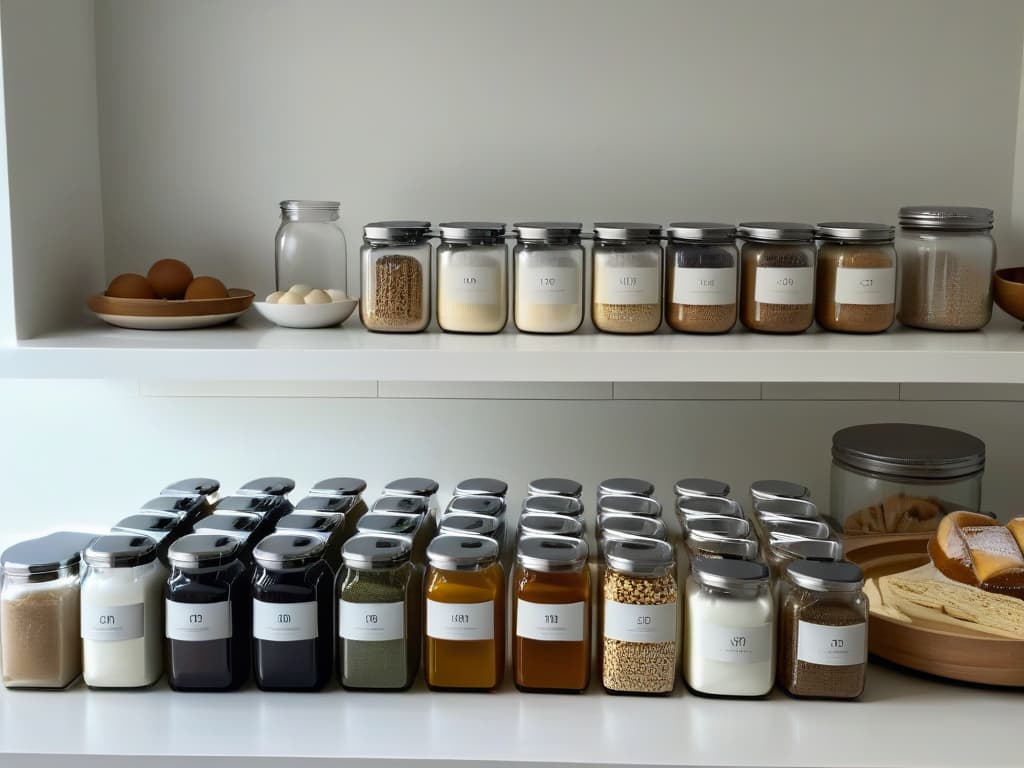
(307, 315)
(143, 323)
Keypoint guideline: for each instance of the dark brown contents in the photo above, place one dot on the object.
(398, 294)
(701, 318)
(773, 318)
(851, 318)
(801, 678)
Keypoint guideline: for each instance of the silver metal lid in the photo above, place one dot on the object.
(330, 505)
(481, 486)
(388, 522)
(643, 506)
(781, 231)
(611, 525)
(550, 554)
(283, 551)
(957, 217)
(263, 506)
(472, 230)
(339, 486)
(856, 230)
(627, 231)
(454, 552)
(298, 206)
(396, 231)
(794, 526)
(701, 486)
(548, 231)
(648, 558)
(913, 451)
(703, 506)
(120, 550)
(840, 576)
(721, 525)
(802, 508)
(625, 486)
(238, 526)
(712, 545)
(198, 550)
(554, 505)
(267, 486)
(319, 524)
(366, 551)
(178, 506)
(412, 486)
(729, 574)
(46, 554)
(469, 524)
(401, 505)
(192, 486)
(778, 489)
(154, 526)
(806, 549)
(546, 524)
(702, 231)
(555, 486)
(493, 506)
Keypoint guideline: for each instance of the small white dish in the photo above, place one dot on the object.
(307, 315)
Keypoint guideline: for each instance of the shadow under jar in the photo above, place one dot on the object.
(549, 271)
(701, 277)
(777, 287)
(394, 264)
(472, 277)
(626, 287)
(856, 277)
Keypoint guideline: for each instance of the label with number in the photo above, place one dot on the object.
(111, 623)
(784, 285)
(628, 285)
(551, 285)
(371, 621)
(866, 286)
(639, 623)
(471, 285)
(284, 622)
(198, 621)
(550, 621)
(735, 645)
(460, 621)
(832, 646)
(704, 287)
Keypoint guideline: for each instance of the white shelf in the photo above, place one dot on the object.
(253, 350)
(902, 720)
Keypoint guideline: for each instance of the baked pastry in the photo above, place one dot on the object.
(1016, 527)
(975, 550)
(897, 514)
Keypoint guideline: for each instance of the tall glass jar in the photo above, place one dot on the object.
(626, 287)
(394, 264)
(947, 257)
(472, 277)
(310, 247)
(856, 277)
(777, 289)
(549, 274)
(701, 277)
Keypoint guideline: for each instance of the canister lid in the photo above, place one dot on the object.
(702, 506)
(388, 522)
(840, 576)
(721, 525)
(802, 508)
(778, 489)
(401, 230)
(339, 486)
(625, 486)
(253, 505)
(330, 505)
(702, 231)
(280, 551)
(701, 486)
(154, 526)
(640, 557)
(472, 230)
(477, 505)
(300, 206)
(855, 230)
(554, 505)
(627, 230)
(555, 486)
(794, 526)
(711, 545)
(630, 505)
(298, 522)
(192, 486)
(618, 526)
(179, 506)
(807, 549)
(469, 524)
(946, 217)
(546, 524)
(412, 486)
(454, 552)
(267, 486)
(402, 505)
(370, 552)
(45, 554)
(729, 574)
(239, 526)
(909, 450)
(120, 550)
(787, 231)
(547, 230)
(552, 553)
(199, 550)
(481, 486)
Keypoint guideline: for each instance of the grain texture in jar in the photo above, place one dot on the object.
(395, 268)
(626, 296)
(700, 277)
(856, 277)
(777, 285)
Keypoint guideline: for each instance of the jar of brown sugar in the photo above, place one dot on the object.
(626, 277)
(700, 277)
(395, 268)
(856, 277)
(777, 293)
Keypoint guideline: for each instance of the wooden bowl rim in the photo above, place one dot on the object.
(238, 300)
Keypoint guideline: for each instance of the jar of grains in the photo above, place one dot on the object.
(639, 618)
(395, 267)
(856, 276)
(823, 631)
(947, 257)
(627, 277)
(549, 274)
(700, 277)
(310, 247)
(472, 277)
(777, 294)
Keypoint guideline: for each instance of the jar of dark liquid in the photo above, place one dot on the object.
(293, 614)
(207, 612)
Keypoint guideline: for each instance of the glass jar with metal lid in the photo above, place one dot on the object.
(122, 612)
(481, 486)
(856, 290)
(293, 614)
(465, 625)
(472, 277)
(947, 257)
(551, 615)
(701, 277)
(777, 289)
(624, 486)
(762, 490)
(470, 524)
(549, 524)
(701, 486)
(823, 631)
(271, 508)
(347, 488)
(771, 524)
(395, 268)
(247, 530)
(729, 629)
(328, 528)
(555, 486)
(780, 552)
(417, 487)
(208, 614)
(378, 614)
(549, 274)
(713, 546)
(491, 506)
(187, 509)
(162, 529)
(626, 287)
(903, 478)
(554, 505)
(690, 507)
(310, 247)
(643, 506)
(40, 641)
(614, 526)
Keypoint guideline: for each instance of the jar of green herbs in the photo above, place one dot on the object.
(378, 614)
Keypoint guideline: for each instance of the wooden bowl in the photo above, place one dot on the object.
(161, 314)
(1009, 291)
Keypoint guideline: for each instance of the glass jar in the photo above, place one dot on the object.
(626, 287)
(208, 614)
(729, 635)
(328, 528)
(720, 525)
(777, 289)
(470, 524)
(701, 277)
(472, 277)
(40, 641)
(292, 614)
(122, 612)
(395, 267)
(947, 257)
(823, 631)
(780, 552)
(549, 274)
(465, 626)
(415, 487)
(639, 630)
(163, 529)
(701, 486)
(310, 247)
(624, 486)
(548, 524)
(247, 530)
(378, 614)
(856, 290)
(643, 506)
(551, 615)
(714, 546)
(903, 478)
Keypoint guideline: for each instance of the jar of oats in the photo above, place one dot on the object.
(639, 622)
(777, 291)
(395, 267)
(626, 295)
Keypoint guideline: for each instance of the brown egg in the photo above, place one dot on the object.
(206, 288)
(170, 278)
(131, 286)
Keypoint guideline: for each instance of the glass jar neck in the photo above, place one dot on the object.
(312, 215)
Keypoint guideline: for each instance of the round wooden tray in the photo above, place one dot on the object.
(160, 314)
(951, 653)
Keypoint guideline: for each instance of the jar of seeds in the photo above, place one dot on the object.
(856, 277)
(700, 277)
(395, 266)
(639, 627)
(777, 293)
(627, 277)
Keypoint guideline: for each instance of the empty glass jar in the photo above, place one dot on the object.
(310, 248)
(549, 274)
(701, 277)
(856, 277)
(777, 289)
(395, 267)
(472, 277)
(626, 295)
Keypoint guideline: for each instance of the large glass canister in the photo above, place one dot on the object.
(947, 257)
(395, 275)
(549, 271)
(310, 247)
(701, 277)
(472, 277)
(777, 285)
(626, 283)
(856, 290)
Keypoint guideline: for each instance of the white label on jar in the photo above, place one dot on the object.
(640, 623)
(628, 285)
(735, 645)
(111, 623)
(784, 285)
(471, 285)
(371, 621)
(198, 621)
(704, 287)
(549, 621)
(550, 285)
(832, 646)
(460, 621)
(284, 622)
(865, 286)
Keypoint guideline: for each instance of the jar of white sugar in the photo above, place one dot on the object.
(472, 277)
(549, 273)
